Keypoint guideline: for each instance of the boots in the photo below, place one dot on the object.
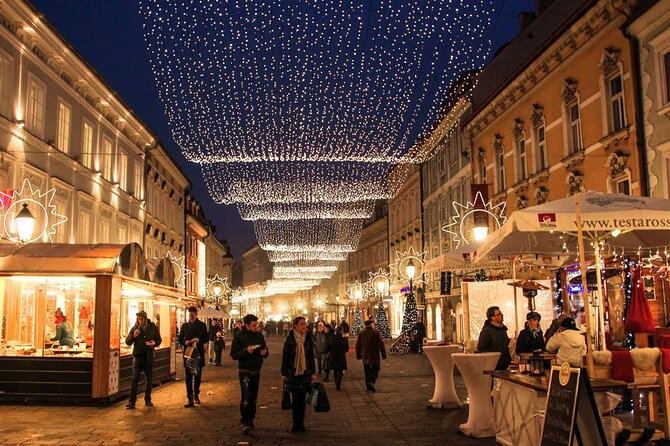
(190, 403)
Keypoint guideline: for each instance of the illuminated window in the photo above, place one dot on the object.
(64, 124)
(35, 102)
(616, 106)
(522, 172)
(107, 157)
(87, 146)
(138, 178)
(122, 170)
(541, 147)
(6, 86)
(574, 127)
(500, 168)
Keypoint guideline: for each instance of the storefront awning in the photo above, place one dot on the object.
(60, 258)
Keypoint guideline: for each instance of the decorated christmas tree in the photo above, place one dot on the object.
(383, 322)
(410, 317)
(358, 323)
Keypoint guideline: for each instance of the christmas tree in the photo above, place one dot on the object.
(358, 323)
(409, 318)
(383, 322)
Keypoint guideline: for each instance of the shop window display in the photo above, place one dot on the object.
(47, 316)
(134, 300)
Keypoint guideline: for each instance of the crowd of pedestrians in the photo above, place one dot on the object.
(309, 354)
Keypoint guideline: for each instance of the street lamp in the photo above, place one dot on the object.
(480, 229)
(337, 307)
(410, 270)
(25, 224)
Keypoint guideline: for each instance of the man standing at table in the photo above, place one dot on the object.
(370, 348)
(493, 337)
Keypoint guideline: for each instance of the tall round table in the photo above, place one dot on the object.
(480, 417)
(445, 396)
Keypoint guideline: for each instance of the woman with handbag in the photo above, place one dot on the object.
(298, 369)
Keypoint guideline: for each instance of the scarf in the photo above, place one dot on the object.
(300, 363)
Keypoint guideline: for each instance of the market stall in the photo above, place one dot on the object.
(65, 312)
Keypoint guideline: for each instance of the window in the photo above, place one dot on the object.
(61, 230)
(107, 158)
(574, 127)
(122, 233)
(616, 106)
(137, 180)
(522, 172)
(541, 144)
(64, 120)
(482, 172)
(87, 146)
(500, 167)
(623, 186)
(83, 228)
(666, 72)
(122, 170)
(6, 86)
(35, 106)
(103, 232)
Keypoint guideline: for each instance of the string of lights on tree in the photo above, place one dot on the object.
(383, 322)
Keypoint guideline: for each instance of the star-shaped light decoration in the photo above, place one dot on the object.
(406, 259)
(42, 207)
(217, 289)
(180, 268)
(461, 227)
(357, 291)
(379, 282)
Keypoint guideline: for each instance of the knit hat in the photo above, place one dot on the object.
(534, 315)
(569, 324)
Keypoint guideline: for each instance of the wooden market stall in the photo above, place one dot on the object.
(98, 289)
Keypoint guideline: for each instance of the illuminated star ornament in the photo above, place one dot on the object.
(404, 261)
(40, 205)
(299, 111)
(463, 220)
(217, 288)
(357, 291)
(181, 271)
(379, 282)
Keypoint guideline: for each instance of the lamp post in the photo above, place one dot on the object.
(410, 270)
(337, 308)
(25, 224)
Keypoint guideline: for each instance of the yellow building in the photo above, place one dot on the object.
(556, 116)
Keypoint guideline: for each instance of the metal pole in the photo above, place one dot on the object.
(601, 303)
(585, 287)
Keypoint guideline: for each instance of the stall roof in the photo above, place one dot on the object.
(59, 258)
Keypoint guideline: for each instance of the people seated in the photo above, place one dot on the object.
(530, 338)
(569, 342)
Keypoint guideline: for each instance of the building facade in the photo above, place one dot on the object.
(563, 121)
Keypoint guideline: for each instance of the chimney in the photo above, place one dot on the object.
(541, 5)
(525, 19)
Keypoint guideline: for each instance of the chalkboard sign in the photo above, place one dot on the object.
(571, 411)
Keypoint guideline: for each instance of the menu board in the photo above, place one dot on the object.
(571, 411)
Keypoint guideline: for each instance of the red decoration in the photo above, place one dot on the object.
(639, 318)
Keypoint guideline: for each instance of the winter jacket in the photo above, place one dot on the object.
(219, 341)
(529, 341)
(345, 327)
(495, 339)
(339, 346)
(213, 329)
(570, 345)
(370, 346)
(197, 329)
(321, 341)
(288, 355)
(238, 350)
(148, 333)
(64, 334)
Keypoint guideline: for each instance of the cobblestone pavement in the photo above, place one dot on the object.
(395, 415)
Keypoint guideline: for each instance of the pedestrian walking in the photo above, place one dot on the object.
(194, 334)
(371, 350)
(219, 346)
(345, 328)
(249, 350)
(321, 341)
(237, 328)
(328, 331)
(337, 357)
(213, 329)
(420, 329)
(493, 337)
(298, 369)
(144, 337)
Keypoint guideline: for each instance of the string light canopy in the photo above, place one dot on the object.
(288, 211)
(308, 235)
(299, 256)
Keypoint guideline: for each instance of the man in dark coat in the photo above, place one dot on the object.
(371, 350)
(194, 334)
(337, 358)
(249, 350)
(144, 337)
(345, 328)
(420, 329)
(493, 337)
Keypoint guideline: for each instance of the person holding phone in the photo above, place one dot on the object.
(144, 337)
(249, 350)
(194, 334)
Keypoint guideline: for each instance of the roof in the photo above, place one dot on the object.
(59, 258)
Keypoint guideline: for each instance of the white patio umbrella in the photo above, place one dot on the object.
(627, 222)
(210, 312)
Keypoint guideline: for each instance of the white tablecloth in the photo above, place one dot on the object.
(480, 417)
(445, 396)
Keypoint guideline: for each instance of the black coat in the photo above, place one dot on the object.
(288, 355)
(495, 339)
(148, 333)
(238, 350)
(197, 329)
(339, 346)
(529, 342)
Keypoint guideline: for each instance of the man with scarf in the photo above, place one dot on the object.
(249, 350)
(298, 369)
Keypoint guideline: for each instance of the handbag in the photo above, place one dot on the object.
(286, 398)
(188, 352)
(193, 362)
(322, 403)
(312, 396)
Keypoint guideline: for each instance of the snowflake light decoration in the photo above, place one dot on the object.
(462, 222)
(217, 288)
(41, 206)
(402, 259)
(181, 271)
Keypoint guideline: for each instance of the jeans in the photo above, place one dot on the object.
(298, 386)
(193, 383)
(218, 351)
(249, 383)
(338, 374)
(371, 373)
(211, 350)
(140, 365)
(320, 361)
